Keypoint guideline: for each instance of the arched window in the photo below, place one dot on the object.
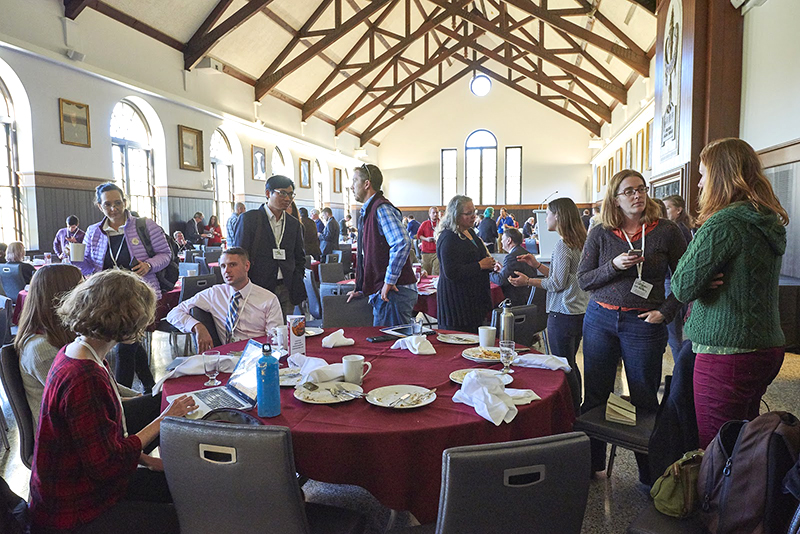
(10, 222)
(132, 157)
(481, 167)
(222, 176)
(278, 162)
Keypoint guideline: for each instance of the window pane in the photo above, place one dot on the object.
(449, 157)
(140, 186)
(7, 204)
(514, 175)
(473, 175)
(278, 162)
(127, 123)
(481, 138)
(118, 164)
(489, 176)
(220, 149)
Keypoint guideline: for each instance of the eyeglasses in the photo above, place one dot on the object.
(467, 213)
(115, 204)
(629, 191)
(286, 194)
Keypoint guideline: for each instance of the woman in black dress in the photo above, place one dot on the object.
(487, 230)
(463, 298)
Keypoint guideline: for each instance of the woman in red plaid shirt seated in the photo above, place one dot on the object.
(85, 477)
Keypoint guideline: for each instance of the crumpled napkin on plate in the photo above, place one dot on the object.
(316, 370)
(491, 399)
(416, 344)
(193, 365)
(337, 339)
(543, 361)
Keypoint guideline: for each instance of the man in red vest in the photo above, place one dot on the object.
(383, 271)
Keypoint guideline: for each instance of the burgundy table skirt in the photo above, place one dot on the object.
(397, 454)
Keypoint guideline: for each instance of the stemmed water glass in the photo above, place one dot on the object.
(507, 355)
(211, 366)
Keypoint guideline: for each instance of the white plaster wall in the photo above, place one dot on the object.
(771, 74)
(554, 148)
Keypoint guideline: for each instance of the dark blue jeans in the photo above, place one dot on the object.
(611, 335)
(564, 334)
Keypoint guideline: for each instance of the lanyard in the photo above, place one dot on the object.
(119, 250)
(282, 222)
(96, 359)
(638, 265)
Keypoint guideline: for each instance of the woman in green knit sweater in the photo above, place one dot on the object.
(734, 326)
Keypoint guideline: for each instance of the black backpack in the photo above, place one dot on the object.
(168, 276)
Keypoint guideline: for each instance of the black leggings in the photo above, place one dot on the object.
(131, 357)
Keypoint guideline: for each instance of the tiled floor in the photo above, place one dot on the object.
(613, 503)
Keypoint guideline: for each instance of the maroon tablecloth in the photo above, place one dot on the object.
(397, 454)
(18, 306)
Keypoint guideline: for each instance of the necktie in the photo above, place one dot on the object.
(233, 315)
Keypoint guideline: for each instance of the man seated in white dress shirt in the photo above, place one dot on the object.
(241, 309)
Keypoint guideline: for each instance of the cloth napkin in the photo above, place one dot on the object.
(193, 365)
(543, 361)
(337, 339)
(416, 344)
(316, 370)
(490, 398)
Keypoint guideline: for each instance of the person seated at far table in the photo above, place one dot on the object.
(241, 309)
(16, 254)
(85, 476)
(69, 234)
(512, 243)
(3, 249)
(183, 245)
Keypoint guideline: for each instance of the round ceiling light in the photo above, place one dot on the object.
(480, 85)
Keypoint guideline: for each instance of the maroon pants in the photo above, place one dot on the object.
(730, 386)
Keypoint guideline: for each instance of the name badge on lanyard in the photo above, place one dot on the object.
(640, 288)
(278, 254)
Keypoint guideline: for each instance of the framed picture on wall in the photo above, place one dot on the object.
(75, 127)
(305, 173)
(639, 151)
(337, 180)
(190, 144)
(259, 163)
(629, 154)
(619, 161)
(648, 151)
(597, 177)
(604, 175)
(611, 168)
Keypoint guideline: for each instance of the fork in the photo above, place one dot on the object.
(344, 391)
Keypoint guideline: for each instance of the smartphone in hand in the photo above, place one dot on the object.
(635, 252)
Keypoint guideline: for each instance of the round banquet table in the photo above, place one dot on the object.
(397, 454)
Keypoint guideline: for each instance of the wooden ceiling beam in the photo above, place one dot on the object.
(136, 24)
(211, 19)
(269, 80)
(434, 20)
(636, 59)
(593, 60)
(199, 45)
(73, 8)
(374, 130)
(613, 28)
(366, 91)
(615, 89)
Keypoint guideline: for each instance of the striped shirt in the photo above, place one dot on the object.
(564, 295)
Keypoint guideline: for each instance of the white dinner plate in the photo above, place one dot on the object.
(312, 331)
(322, 394)
(482, 354)
(290, 376)
(458, 376)
(458, 339)
(388, 394)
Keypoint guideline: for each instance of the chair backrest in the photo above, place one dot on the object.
(532, 485)
(12, 280)
(331, 272)
(346, 259)
(529, 320)
(212, 256)
(333, 258)
(6, 318)
(192, 285)
(11, 377)
(252, 471)
(207, 320)
(185, 267)
(338, 313)
(217, 272)
(327, 289)
(312, 290)
(531, 246)
(190, 253)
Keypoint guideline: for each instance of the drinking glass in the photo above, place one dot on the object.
(507, 355)
(211, 365)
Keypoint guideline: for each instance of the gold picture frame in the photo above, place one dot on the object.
(618, 162)
(629, 154)
(337, 180)
(639, 151)
(190, 145)
(259, 159)
(648, 153)
(597, 176)
(305, 173)
(604, 176)
(75, 125)
(611, 170)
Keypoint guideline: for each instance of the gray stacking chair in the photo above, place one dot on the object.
(312, 291)
(338, 313)
(12, 280)
(255, 487)
(331, 272)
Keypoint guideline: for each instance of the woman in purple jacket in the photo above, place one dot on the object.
(113, 243)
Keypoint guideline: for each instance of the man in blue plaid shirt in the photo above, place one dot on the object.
(383, 271)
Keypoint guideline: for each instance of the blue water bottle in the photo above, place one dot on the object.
(269, 386)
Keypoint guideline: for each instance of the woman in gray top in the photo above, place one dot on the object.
(566, 301)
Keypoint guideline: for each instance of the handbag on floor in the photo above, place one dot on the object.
(675, 492)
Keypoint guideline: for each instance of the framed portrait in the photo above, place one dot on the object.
(75, 127)
(305, 173)
(629, 154)
(190, 143)
(648, 150)
(259, 163)
(619, 161)
(604, 175)
(639, 151)
(597, 177)
(337, 180)
(611, 170)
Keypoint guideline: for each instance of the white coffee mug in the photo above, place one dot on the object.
(486, 335)
(282, 336)
(354, 371)
(77, 251)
